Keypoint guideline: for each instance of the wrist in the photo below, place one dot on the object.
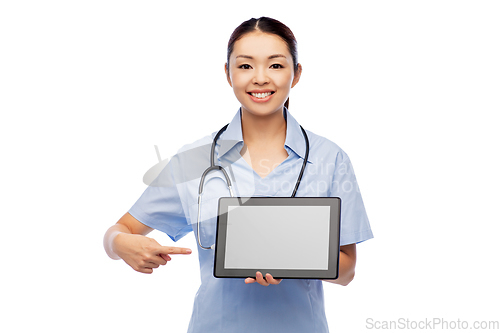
(109, 244)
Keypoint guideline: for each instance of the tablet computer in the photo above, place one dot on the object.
(286, 237)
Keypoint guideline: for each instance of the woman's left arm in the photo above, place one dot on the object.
(347, 263)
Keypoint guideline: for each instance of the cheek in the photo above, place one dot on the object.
(284, 81)
(238, 82)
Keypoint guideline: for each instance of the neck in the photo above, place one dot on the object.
(263, 129)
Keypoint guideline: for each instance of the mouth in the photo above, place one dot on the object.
(261, 95)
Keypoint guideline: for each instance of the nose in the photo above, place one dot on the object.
(260, 77)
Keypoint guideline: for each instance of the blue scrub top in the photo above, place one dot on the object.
(170, 204)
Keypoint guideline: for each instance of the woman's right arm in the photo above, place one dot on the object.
(127, 240)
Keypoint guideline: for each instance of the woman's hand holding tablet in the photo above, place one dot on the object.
(263, 281)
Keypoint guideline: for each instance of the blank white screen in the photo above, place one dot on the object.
(277, 237)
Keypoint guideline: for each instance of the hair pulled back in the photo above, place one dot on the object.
(270, 26)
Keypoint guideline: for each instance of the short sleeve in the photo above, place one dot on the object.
(160, 206)
(354, 224)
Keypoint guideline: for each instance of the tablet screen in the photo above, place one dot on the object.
(297, 237)
(287, 237)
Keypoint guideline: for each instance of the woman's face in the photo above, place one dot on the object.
(261, 73)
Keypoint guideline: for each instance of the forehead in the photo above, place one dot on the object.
(257, 44)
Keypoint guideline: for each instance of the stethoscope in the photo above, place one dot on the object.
(214, 167)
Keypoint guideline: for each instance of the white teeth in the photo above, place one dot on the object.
(261, 95)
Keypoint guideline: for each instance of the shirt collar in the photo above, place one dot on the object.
(232, 135)
(294, 137)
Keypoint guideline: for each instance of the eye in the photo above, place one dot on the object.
(276, 66)
(245, 66)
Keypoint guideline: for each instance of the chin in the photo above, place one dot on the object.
(261, 111)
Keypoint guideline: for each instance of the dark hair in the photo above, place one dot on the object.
(270, 26)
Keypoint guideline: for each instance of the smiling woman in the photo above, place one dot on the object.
(263, 148)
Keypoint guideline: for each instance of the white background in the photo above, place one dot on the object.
(409, 89)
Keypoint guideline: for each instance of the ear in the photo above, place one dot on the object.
(296, 75)
(226, 69)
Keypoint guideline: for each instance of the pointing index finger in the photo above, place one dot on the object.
(173, 250)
